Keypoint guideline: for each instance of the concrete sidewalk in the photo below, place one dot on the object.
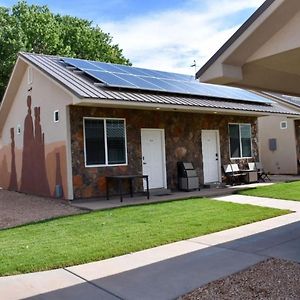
(168, 271)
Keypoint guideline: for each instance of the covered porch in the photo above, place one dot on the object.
(101, 203)
(264, 52)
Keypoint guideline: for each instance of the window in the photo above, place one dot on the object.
(18, 129)
(283, 125)
(56, 116)
(105, 142)
(240, 140)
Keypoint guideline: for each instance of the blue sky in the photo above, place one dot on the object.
(167, 34)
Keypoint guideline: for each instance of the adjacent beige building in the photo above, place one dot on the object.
(264, 55)
(278, 145)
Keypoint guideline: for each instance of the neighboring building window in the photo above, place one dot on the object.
(105, 142)
(56, 116)
(240, 140)
(283, 125)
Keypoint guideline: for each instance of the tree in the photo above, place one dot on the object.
(10, 43)
(34, 28)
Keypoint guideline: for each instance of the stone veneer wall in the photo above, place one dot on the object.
(182, 137)
(297, 132)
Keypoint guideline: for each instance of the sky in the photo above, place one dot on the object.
(161, 34)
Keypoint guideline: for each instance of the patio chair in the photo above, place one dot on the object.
(233, 173)
(262, 175)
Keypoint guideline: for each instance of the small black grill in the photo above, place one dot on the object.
(187, 177)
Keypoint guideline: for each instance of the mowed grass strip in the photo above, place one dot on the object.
(98, 235)
(285, 191)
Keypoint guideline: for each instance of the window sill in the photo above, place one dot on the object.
(104, 166)
(246, 157)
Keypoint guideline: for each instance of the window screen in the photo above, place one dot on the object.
(115, 132)
(246, 140)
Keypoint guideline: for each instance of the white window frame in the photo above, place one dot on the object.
(285, 126)
(105, 145)
(54, 113)
(241, 149)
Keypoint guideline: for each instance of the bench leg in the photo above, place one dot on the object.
(107, 189)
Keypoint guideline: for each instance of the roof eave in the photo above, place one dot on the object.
(174, 107)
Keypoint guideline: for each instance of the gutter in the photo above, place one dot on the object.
(174, 107)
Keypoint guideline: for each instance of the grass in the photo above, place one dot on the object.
(98, 235)
(286, 191)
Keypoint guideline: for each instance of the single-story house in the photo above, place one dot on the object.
(65, 126)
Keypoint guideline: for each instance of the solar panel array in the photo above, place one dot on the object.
(121, 76)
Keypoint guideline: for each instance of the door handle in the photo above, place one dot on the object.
(144, 163)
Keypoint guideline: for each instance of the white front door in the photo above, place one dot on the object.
(153, 157)
(211, 155)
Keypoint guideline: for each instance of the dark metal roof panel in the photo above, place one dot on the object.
(72, 81)
(86, 89)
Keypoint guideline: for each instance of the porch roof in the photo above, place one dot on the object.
(263, 54)
(88, 93)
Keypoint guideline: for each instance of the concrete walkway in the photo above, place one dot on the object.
(101, 204)
(168, 271)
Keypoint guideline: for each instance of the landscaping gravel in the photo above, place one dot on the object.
(270, 279)
(17, 208)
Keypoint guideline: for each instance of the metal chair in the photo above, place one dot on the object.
(262, 175)
(233, 173)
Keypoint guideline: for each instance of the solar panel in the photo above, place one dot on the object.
(114, 75)
(110, 79)
(141, 82)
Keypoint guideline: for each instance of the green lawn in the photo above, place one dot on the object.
(286, 191)
(94, 236)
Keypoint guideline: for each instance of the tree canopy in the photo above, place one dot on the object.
(34, 28)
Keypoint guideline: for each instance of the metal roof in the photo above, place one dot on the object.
(292, 100)
(85, 89)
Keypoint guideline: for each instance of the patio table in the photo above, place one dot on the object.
(120, 179)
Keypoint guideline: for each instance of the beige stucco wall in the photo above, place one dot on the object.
(287, 38)
(48, 147)
(284, 159)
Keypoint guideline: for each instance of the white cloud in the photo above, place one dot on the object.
(171, 40)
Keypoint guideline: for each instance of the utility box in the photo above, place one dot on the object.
(187, 177)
